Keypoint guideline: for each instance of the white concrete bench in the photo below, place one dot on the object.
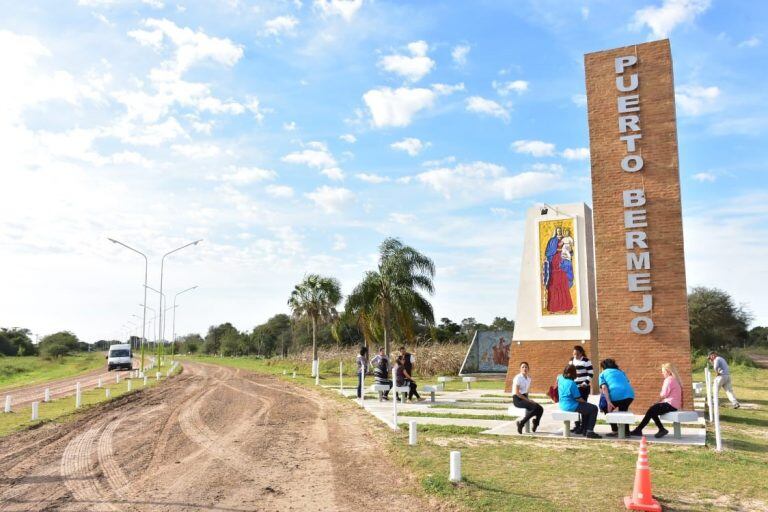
(678, 417)
(380, 389)
(431, 390)
(469, 381)
(442, 381)
(517, 412)
(566, 417)
(620, 419)
(401, 389)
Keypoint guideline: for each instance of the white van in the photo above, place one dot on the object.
(119, 357)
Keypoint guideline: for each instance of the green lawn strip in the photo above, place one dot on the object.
(445, 429)
(459, 385)
(30, 370)
(484, 401)
(420, 414)
(63, 409)
(462, 405)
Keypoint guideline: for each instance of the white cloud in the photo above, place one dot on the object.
(396, 107)
(103, 19)
(447, 89)
(504, 88)
(371, 178)
(195, 151)
(480, 105)
(344, 8)
(339, 242)
(663, 19)
(752, 42)
(413, 67)
(148, 134)
(584, 12)
(580, 100)
(247, 175)
(331, 199)
(410, 145)
(536, 148)
(280, 25)
(289, 127)
(576, 153)
(279, 191)
(704, 176)
(695, 100)
(459, 54)
(316, 156)
(436, 163)
(130, 157)
(348, 138)
(254, 105)
(462, 178)
(333, 173)
(402, 218)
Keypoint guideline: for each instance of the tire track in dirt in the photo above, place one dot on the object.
(77, 469)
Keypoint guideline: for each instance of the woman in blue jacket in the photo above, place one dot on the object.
(618, 392)
(570, 400)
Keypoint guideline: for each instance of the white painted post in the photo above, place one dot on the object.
(130, 385)
(455, 474)
(158, 375)
(35, 410)
(317, 373)
(98, 383)
(117, 378)
(708, 384)
(8, 401)
(47, 395)
(394, 402)
(107, 393)
(294, 374)
(285, 372)
(78, 396)
(361, 381)
(341, 377)
(412, 433)
(718, 434)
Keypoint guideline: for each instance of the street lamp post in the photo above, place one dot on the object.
(161, 325)
(154, 317)
(173, 327)
(144, 319)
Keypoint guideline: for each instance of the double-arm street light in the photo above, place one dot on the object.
(173, 334)
(161, 324)
(144, 319)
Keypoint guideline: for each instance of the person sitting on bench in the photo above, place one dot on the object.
(671, 400)
(618, 392)
(520, 386)
(570, 400)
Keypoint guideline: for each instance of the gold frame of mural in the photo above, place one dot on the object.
(546, 229)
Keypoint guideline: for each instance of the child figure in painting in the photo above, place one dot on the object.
(567, 241)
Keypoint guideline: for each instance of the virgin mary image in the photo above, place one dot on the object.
(558, 273)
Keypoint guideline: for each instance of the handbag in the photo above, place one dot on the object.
(552, 393)
(603, 404)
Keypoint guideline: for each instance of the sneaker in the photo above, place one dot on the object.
(519, 427)
(535, 425)
(636, 433)
(592, 435)
(737, 406)
(661, 433)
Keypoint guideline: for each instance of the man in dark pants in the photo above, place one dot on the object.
(408, 360)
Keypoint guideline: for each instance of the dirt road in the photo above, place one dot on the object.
(213, 438)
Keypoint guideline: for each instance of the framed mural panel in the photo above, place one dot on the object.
(558, 272)
(488, 353)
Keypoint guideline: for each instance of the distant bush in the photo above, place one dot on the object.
(54, 350)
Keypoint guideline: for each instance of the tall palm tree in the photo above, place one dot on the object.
(315, 297)
(391, 294)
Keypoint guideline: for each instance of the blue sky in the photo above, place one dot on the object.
(293, 136)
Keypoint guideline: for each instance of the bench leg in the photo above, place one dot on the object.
(432, 396)
(622, 431)
(678, 431)
(528, 426)
(567, 429)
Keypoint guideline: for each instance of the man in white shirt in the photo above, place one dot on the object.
(722, 378)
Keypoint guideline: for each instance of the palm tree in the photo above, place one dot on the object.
(316, 297)
(391, 294)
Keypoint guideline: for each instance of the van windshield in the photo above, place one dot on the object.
(119, 353)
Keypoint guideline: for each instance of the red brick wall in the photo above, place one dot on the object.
(546, 360)
(639, 355)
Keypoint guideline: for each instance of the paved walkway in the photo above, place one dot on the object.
(491, 406)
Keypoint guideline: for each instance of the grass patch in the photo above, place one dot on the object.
(469, 406)
(29, 370)
(445, 429)
(420, 414)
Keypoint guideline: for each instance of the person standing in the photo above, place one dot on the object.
(584, 375)
(380, 364)
(569, 399)
(520, 386)
(362, 368)
(722, 378)
(408, 361)
(618, 392)
(671, 400)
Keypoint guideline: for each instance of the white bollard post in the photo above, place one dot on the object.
(341, 377)
(108, 393)
(98, 383)
(317, 373)
(8, 401)
(158, 375)
(47, 395)
(412, 433)
(294, 374)
(455, 474)
(285, 372)
(394, 402)
(708, 384)
(130, 386)
(117, 378)
(35, 411)
(78, 396)
(315, 367)
(145, 381)
(718, 434)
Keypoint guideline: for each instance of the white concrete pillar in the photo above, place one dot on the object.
(341, 377)
(117, 378)
(130, 385)
(718, 434)
(710, 391)
(455, 470)
(158, 375)
(47, 395)
(78, 396)
(294, 375)
(8, 401)
(107, 393)
(35, 411)
(394, 401)
(98, 383)
(145, 381)
(412, 433)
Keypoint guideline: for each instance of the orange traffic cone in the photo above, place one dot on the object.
(641, 498)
